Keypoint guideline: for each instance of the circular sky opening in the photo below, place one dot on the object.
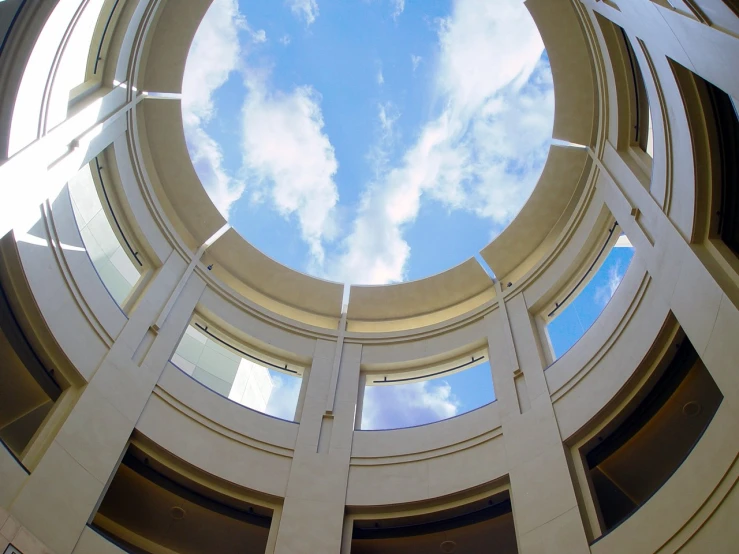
(368, 141)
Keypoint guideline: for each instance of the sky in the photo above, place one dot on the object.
(577, 317)
(368, 141)
(373, 142)
(390, 407)
(449, 395)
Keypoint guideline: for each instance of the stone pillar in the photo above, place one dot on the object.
(313, 514)
(545, 508)
(61, 494)
(703, 298)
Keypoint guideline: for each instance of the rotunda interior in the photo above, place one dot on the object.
(143, 339)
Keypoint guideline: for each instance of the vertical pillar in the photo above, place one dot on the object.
(702, 297)
(313, 514)
(545, 508)
(705, 50)
(61, 494)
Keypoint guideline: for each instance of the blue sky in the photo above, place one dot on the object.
(368, 141)
(388, 407)
(372, 142)
(422, 402)
(577, 317)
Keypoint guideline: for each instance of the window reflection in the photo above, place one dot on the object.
(239, 378)
(408, 404)
(570, 323)
(111, 258)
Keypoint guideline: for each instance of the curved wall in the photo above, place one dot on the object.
(319, 476)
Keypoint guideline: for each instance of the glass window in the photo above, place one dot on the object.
(238, 376)
(571, 322)
(115, 263)
(422, 401)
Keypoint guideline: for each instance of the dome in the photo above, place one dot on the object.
(168, 386)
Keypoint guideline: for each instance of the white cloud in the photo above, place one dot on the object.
(214, 55)
(415, 61)
(396, 406)
(398, 7)
(259, 36)
(380, 78)
(285, 40)
(207, 158)
(388, 116)
(284, 397)
(379, 154)
(304, 9)
(288, 158)
(605, 292)
(482, 153)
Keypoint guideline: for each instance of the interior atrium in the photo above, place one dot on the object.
(143, 340)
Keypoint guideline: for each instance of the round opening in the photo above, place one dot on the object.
(368, 142)
(692, 409)
(177, 512)
(448, 547)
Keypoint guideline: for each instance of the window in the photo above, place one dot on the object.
(395, 401)
(468, 528)
(711, 109)
(245, 378)
(726, 140)
(116, 262)
(627, 466)
(635, 122)
(151, 507)
(28, 390)
(584, 304)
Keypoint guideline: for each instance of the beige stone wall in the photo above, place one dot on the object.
(318, 473)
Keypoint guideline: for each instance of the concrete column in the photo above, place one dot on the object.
(313, 514)
(63, 491)
(542, 491)
(701, 294)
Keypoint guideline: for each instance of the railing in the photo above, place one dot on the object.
(34, 365)
(568, 327)
(105, 247)
(98, 58)
(415, 400)
(204, 329)
(558, 305)
(134, 252)
(239, 376)
(636, 82)
(472, 361)
(6, 36)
